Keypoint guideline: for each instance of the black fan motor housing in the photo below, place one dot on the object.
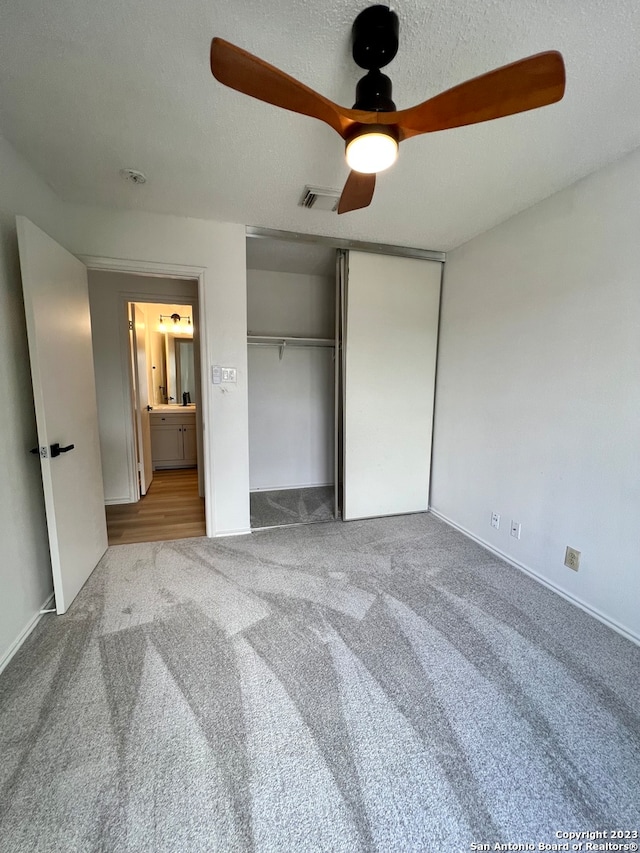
(373, 93)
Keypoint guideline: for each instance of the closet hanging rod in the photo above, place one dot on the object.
(288, 341)
(277, 340)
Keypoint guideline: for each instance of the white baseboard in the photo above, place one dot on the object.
(22, 636)
(282, 488)
(239, 532)
(588, 608)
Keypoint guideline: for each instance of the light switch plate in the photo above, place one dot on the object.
(229, 374)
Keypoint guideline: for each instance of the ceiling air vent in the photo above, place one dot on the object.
(319, 198)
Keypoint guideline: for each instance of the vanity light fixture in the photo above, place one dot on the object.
(179, 325)
(175, 317)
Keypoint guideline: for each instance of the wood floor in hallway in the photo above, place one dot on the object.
(171, 509)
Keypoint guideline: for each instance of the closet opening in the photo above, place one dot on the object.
(292, 382)
(342, 350)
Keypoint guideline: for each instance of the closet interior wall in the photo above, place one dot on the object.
(291, 387)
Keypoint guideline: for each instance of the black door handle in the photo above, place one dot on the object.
(56, 450)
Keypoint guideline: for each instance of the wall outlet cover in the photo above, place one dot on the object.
(495, 520)
(572, 558)
(516, 528)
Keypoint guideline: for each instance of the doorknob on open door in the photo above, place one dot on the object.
(56, 450)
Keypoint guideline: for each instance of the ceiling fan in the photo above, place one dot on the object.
(373, 128)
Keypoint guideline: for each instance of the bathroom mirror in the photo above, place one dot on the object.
(185, 369)
(173, 368)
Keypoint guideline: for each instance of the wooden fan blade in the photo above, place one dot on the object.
(252, 76)
(357, 192)
(524, 85)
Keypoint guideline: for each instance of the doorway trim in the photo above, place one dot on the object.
(160, 270)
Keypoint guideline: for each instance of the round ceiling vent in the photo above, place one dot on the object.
(133, 175)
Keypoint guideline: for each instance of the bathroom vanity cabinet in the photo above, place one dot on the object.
(173, 438)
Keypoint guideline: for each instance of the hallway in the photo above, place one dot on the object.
(171, 509)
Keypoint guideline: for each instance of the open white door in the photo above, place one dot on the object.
(391, 332)
(141, 398)
(59, 331)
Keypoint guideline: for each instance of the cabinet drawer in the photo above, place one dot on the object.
(173, 418)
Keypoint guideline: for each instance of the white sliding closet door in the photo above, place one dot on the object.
(391, 326)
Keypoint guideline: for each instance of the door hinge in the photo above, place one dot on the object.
(131, 325)
(139, 467)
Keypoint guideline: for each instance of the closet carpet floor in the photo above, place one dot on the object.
(291, 506)
(383, 685)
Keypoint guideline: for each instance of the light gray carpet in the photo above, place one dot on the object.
(373, 686)
(291, 506)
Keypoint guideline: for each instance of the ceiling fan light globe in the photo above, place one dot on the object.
(371, 152)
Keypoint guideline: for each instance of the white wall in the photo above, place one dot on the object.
(25, 568)
(282, 303)
(291, 423)
(107, 292)
(538, 392)
(291, 405)
(219, 250)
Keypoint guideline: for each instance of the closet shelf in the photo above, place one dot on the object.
(283, 341)
(290, 340)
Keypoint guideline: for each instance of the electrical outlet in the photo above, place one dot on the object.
(495, 520)
(516, 527)
(572, 558)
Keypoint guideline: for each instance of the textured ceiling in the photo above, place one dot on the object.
(87, 88)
